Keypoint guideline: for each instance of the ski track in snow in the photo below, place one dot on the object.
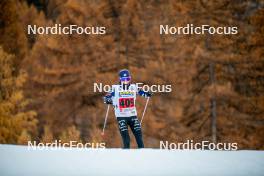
(21, 161)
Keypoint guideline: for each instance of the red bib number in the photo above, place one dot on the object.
(126, 103)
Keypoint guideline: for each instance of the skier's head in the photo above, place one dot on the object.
(124, 77)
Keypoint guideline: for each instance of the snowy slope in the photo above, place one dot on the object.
(18, 160)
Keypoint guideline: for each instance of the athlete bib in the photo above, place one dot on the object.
(124, 100)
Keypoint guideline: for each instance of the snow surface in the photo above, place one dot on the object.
(21, 161)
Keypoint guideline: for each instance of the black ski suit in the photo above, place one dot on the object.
(133, 123)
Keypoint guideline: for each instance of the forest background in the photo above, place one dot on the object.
(46, 81)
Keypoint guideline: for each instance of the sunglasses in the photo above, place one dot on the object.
(125, 79)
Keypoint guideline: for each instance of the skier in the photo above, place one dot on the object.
(123, 98)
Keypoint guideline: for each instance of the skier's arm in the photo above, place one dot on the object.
(144, 94)
(108, 98)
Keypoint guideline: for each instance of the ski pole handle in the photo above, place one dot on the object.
(144, 110)
(106, 115)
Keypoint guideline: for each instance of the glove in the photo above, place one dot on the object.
(148, 94)
(108, 100)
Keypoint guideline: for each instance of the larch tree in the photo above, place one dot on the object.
(16, 123)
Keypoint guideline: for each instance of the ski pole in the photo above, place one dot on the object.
(144, 111)
(106, 115)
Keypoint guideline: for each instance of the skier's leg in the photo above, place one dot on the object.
(122, 124)
(136, 129)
